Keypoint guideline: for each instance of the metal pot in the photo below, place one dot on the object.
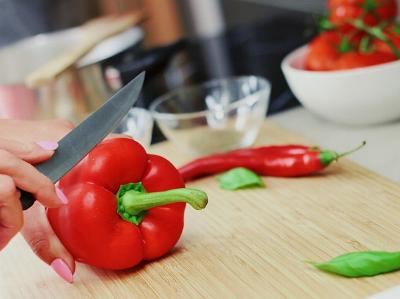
(79, 90)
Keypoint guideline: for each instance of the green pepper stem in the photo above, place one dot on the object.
(327, 157)
(351, 151)
(136, 202)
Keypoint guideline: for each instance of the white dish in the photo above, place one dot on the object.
(363, 96)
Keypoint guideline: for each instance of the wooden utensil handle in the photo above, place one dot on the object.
(93, 32)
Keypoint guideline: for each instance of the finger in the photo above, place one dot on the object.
(27, 178)
(41, 238)
(32, 152)
(11, 218)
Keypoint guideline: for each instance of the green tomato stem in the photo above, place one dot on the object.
(376, 32)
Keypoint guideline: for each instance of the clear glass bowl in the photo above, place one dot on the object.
(138, 124)
(216, 116)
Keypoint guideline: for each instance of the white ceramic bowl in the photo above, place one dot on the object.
(363, 96)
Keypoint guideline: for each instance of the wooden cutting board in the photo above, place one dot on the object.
(246, 244)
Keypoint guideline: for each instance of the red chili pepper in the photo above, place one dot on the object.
(292, 161)
(116, 232)
(290, 149)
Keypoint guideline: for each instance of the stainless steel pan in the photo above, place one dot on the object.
(72, 95)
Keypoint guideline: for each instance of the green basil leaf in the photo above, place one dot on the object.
(360, 264)
(239, 178)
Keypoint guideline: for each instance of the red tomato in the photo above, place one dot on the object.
(387, 7)
(393, 36)
(323, 52)
(342, 11)
(334, 3)
(353, 60)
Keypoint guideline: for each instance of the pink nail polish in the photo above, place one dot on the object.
(61, 268)
(61, 196)
(48, 145)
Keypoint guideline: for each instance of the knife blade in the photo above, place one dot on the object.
(78, 143)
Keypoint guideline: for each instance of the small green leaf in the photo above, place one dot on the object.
(365, 45)
(239, 178)
(358, 23)
(325, 24)
(345, 45)
(383, 24)
(378, 33)
(370, 5)
(360, 264)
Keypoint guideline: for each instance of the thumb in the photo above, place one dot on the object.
(31, 152)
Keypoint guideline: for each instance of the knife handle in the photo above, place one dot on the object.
(27, 199)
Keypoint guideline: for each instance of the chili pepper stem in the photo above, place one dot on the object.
(327, 157)
(135, 202)
(351, 151)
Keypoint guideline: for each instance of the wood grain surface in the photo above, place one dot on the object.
(245, 244)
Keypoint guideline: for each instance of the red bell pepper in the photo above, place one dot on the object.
(119, 212)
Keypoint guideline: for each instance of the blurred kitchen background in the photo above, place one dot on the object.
(184, 41)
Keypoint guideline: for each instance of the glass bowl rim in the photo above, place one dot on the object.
(266, 86)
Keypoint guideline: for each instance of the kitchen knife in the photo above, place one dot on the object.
(78, 143)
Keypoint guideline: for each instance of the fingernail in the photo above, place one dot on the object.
(61, 268)
(48, 145)
(61, 196)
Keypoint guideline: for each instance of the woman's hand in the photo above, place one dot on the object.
(17, 172)
(19, 147)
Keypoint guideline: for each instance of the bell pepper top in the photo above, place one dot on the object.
(134, 201)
